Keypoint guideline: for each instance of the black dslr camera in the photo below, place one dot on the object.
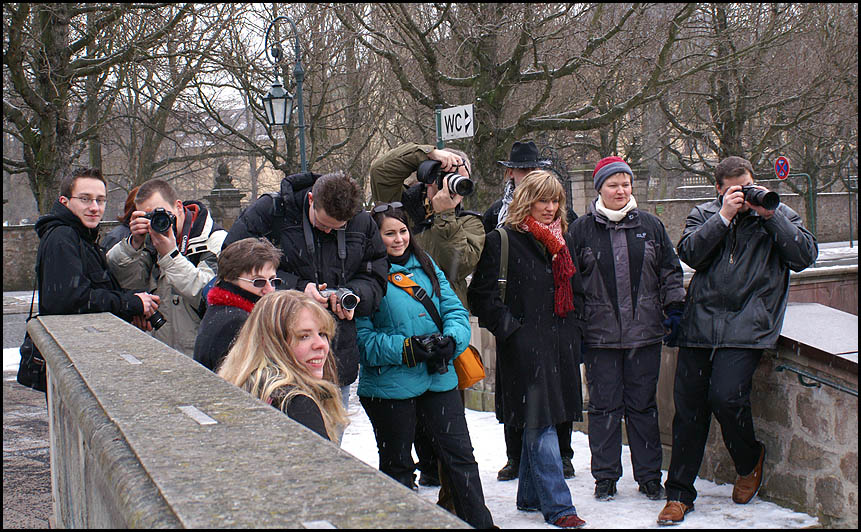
(761, 198)
(156, 320)
(346, 297)
(160, 219)
(431, 172)
(429, 342)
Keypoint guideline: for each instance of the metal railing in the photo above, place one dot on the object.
(819, 380)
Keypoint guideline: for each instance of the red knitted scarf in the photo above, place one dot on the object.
(220, 296)
(563, 266)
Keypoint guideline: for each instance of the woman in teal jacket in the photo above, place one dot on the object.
(406, 372)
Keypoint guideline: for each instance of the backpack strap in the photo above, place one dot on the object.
(502, 281)
(412, 288)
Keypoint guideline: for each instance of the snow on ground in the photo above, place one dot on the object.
(629, 509)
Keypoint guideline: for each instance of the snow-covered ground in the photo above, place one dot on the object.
(629, 509)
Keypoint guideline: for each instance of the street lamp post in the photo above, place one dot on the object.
(278, 103)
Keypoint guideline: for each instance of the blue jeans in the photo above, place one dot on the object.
(541, 484)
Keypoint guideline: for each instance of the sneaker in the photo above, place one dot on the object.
(605, 489)
(528, 509)
(674, 513)
(747, 486)
(567, 468)
(427, 479)
(569, 521)
(653, 490)
(509, 471)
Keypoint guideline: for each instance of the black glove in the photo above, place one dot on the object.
(442, 352)
(671, 324)
(415, 352)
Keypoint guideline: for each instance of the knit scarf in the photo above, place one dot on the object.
(615, 216)
(507, 196)
(563, 267)
(220, 296)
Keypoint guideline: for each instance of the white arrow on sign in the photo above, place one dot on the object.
(457, 122)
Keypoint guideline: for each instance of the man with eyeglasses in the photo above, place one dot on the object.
(328, 243)
(72, 273)
(172, 251)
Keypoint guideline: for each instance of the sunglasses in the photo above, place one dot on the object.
(261, 282)
(386, 206)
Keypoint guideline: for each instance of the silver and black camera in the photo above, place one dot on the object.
(160, 219)
(430, 172)
(346, 297)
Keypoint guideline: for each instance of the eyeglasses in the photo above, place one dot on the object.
(86, 200)
(386, 206)
(261, 282)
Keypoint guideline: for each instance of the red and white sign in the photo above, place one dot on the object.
(781, 168)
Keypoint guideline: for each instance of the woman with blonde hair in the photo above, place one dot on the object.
(282, 356)
(538, 328)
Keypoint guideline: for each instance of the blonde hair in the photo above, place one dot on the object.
(261, 359)
(537, 185)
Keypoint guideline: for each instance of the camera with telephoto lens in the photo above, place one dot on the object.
(156, 320)
(431, 172)
(430, 342)
(346, 297)
(761, 198)
(160, 219)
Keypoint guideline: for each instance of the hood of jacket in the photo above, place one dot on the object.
(61, 215)
(294, 187)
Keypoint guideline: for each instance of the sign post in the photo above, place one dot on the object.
(456, 122)
(781, 168)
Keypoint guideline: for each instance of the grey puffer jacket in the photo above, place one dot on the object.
(738, 294)
(631, 275)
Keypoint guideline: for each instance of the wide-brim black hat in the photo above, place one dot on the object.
(525, 155)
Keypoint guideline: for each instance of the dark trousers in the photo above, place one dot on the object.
(711, 382)
(623, 382)
(514, 441)
(394, 422)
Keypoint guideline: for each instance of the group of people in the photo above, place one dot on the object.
(307, 292)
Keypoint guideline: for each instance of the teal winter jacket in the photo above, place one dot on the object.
(382, 373)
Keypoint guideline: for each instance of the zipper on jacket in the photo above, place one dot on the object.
(732, 247)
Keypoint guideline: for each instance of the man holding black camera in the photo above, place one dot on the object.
(172, 251)
(332, 251)
(742, 246)
(452, 236)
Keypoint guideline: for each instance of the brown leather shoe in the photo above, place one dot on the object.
(570, 521)
(674, 513)
(747, 486)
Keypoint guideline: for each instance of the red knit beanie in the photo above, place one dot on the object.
(607, 167)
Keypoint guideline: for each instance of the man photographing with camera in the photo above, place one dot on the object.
(172, 251)
(742, 246)
(452, 236)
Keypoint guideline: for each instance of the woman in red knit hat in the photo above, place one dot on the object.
(538, 330)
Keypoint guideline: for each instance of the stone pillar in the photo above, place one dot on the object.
(224, 198)
(582, 190)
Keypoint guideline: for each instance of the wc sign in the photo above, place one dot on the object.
(456, 122)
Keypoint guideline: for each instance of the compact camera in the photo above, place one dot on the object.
(160, 219)
(762, 198)
(431, 172)
(346, 297)
(156, 320)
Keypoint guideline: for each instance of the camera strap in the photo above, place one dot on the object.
(340, 235)
(418, 293)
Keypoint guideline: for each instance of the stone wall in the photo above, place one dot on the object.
(142, 436)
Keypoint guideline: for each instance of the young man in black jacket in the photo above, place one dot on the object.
(73, 273)
(742, 253)
(328, 243)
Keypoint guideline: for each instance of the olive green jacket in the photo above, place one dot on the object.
(453, 238)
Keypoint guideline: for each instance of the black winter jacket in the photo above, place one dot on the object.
(229, 307)
(74, 276)
(631, 276)
(281, 219)
(738, 294)
(538, 353)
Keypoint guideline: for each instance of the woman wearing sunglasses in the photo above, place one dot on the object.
(406, 376)
(246, 272)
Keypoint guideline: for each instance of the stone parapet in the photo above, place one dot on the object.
(142, 436)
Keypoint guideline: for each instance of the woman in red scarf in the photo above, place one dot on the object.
(538, 330)
(246, 272)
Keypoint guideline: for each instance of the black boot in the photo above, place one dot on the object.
(567, 468)
(605, 489)
(653, 490)
(509, 471)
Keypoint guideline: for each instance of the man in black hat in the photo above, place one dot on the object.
(524, 159)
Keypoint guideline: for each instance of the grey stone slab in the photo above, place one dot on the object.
(824, 328)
